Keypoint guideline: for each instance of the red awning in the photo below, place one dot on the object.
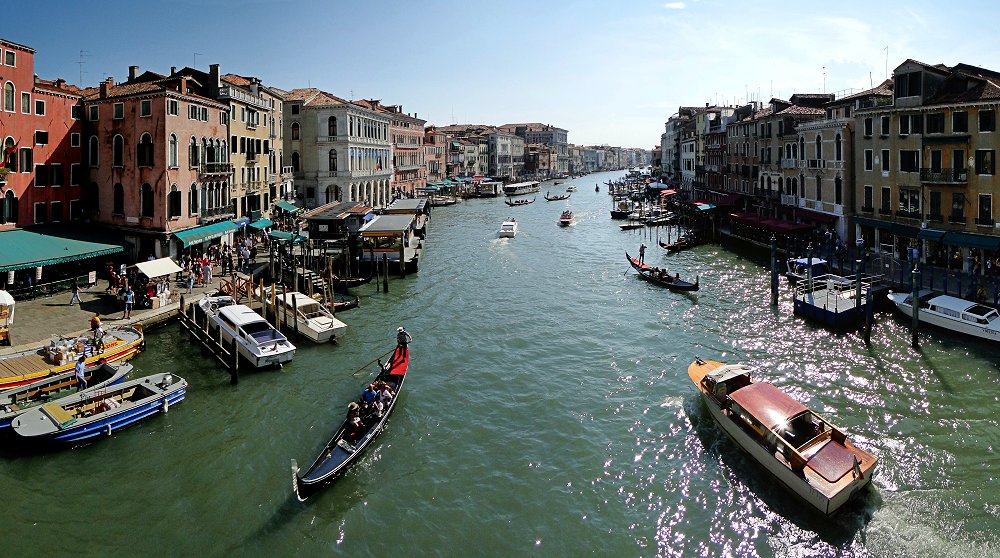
(666, 193)
(815, 216)
(772, 225)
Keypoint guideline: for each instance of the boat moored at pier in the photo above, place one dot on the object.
(315, 321)
(17, 400)
(951, 313)
(257, 341)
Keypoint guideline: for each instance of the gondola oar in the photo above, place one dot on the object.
(373, 361)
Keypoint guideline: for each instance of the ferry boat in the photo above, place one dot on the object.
(315, 321)
(508, 229)
(952, 313)
(256, 340)
(520, 188)
(800, 449)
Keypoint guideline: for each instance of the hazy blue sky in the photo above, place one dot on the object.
(609, 72)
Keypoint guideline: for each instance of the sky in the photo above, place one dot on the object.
(609, 72)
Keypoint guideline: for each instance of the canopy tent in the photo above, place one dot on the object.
(261, 224)
(286, 236)
(6, 309)
(287, 206)
(23, 249)
(207, 232)
(158, 268)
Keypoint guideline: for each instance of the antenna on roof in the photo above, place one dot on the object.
(83, 54)
(194, 59)
(886, 61)
(824, 79)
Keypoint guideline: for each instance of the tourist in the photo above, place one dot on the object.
(403, 338)
(354, 424)
(76, 293)
(190, 281)
(384, 394)
(207, 269)
(368, 396)
(95, 322)
(99, 340)
(80, 378)
(129, 301)
(642, 253)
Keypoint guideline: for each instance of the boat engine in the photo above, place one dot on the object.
(168, 380)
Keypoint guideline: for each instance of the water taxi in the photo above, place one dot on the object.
(508, 229)
(520, 188)
(952, 313)
(256, 340)
(803, 451)
(315, 321)
(566, 219)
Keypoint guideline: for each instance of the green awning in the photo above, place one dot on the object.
(261, 224)
(904, 230)
(969, 240)
(286, 236)
(870, 222)
(207, 232)
(930, 234)
(22, 249)
(287, 206)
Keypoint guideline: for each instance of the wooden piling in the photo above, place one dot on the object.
(295, 314)
(385, 266)
(774, 271)
(915, 304)
(869, 317)
(234, 372)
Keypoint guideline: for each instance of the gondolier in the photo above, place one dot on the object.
(642, 252)
(403, 338)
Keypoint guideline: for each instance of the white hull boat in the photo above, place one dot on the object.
(256, 340)
(951, 313)
(508, 229)
(314, 321)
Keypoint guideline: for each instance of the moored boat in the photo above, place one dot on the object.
(508, 229)
(257, 341)
(566, 219)
(348, 442)
(17, 400)
(682, 243)
(349, 282)
(89, 414)
(315, 321)
(802, 450)
(951, 313)
(798, 268)
(661, 277)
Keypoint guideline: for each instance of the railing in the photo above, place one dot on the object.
(208, 169)
(985, 222)
(789, 163)
(956, 176)
(52, 287)
(956, 219)
(874, 102)
(836, 165)
(216, 214)
(326, 139)
(935, 218)
(884, 211)
(817, 164)
(867, 209)
(908, 214)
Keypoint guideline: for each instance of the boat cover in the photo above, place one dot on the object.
(832, 462)
(768, 404)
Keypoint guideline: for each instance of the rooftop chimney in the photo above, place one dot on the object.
(214, 79)
(132, 72)
(60, 83)
(106, 85)
(183, 87)
(173, 70)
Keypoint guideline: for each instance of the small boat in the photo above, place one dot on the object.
(15, 401)
(516, 203)
(342, 302)
(508, 229)
(120, 344)
(566, 219)
(349, 282)
(89, 414)
(341, 451)
(658, 217)
(802, 450)
(798, 268)
(571, 188)
(951, 313)
(315, 321)
(682, 243)
(632, 225)
(622, 211)
(256, 340)
(555, 198)
(661, 277)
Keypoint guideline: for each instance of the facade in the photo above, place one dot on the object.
(407, 133)
(502, 158)
(338, 150)
(536, 133)
(435, 156)
(41, 133)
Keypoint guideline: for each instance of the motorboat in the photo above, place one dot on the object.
(520, 188)
(803, 451)
(256, 340)
(566, 218)
(508, 229)
(17, 400)
(951, 313)
(571, 188)
(314, 321)
(798, 268)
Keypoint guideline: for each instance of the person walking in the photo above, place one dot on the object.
(129, 301)
(190, 281)
(76, 293)
(95, 323)
(80, 378)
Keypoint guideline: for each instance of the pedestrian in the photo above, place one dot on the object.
(129, 300)
(80, 378)
(76, 293)
(208, 273)
(642, 253)
(190, 281)
(99, 340)
(95, 322)
(403, 338)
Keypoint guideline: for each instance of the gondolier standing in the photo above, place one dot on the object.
(403, 338)
(642, 253)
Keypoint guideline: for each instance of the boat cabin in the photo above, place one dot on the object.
(337, 220)
(798, 268)
(394, 236)
(725, 380)
(961, 309)
(248, 324)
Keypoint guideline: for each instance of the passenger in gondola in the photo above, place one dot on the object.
(385, 394)
(368, 397)
(355, 428)
(677, 277)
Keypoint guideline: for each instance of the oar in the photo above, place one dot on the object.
(373, 361)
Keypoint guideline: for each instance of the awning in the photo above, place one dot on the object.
(241, 221)
(666, 193)
(969, 240)
(286, 236)
(287, 206)
(930, 234)
(22, 249)
(905, 231)
(158, 268)
(261, 224)
(871, 222)
(817, 216)
(207, 232)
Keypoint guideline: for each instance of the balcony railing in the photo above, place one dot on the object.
(935, 218)
(215, 169)
(956, 219)
(985, 222)
(836, 165)
(216, 214)
(789, 163)
(817, 164)
(327, 139)
(908, 214)
(884, 211)
(867, 209)
(952, 176)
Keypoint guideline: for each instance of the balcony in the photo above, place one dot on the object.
(816, 164)
(985, 222)
(908, 214)
(287, 172)
(935, 218)
(327, 139)
(836, 165)
(215, 214)
(945, 176)
(215, 169)
(867, 209)
(956, 219)
(789, 163)
(884, 211)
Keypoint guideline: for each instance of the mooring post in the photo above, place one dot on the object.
(385, 266)
(180, 309)
(774, 270)
(295, 314)
(234, 371)
(869, 316)
(915, 304)
(809, 271)
(857, 292)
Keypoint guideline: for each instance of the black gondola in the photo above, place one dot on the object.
(681, 243)
(672, 283)
(516, 203)
(555, 198)
(339, 452)
(348, 282)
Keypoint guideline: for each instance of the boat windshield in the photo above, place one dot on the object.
(261, 332)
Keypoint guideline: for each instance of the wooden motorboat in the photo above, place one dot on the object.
(60, 355)
(517, 203)
(556, 198)
(661, 277)
(343, 448)
(571, 188)
(508, 229)
(89, 414)
(951, 313)
(631, 225)
(566, 219)
(257, 341)
(682, 243)
(802, 450)
(798, 268)
(342, 302)
(17, 400)
(314, 321)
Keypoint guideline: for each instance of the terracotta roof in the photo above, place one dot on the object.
(312, 97)
(50, 85)
(884, 88)
(126, 89)
(234, 79)
(796, 109)
(985, 90)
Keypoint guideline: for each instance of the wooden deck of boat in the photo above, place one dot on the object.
(23, 365)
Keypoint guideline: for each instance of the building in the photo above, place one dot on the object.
(536, 133)
(339, 150)
(506, 156)
(407, 133)
(435, 144)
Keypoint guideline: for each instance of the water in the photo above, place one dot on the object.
(548, 412)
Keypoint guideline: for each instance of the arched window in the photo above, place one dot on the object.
(91, 198)
(795, 151)
(333, 160)
(8, 96)
(224, 198)
(146, 200)
(295, 130)
(802, 147)
(781, 185)
(10, 154)
(93, 152)
(193, 159)
(144, 151)
(118, 151)
(119, 200)
(193, 200)
(173, 203)
(173, 151)
(331, 126)
(295, 161)
(8, 211)
(838, 149)
(819, 146)
(224, 152)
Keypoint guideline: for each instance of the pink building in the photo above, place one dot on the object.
(407, 134)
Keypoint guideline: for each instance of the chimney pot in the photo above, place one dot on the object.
(132, 72)
(173, 70)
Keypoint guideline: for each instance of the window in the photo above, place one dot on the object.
(118, 111)
(173, 203)
(985, 209)
(869, 198)
(984, 161)
(958, 162)
(56, 172)
(8, 207)
(885, 160)
(935, 123)
(935, 161)
(56, 211)
(76, 112)
(74, 174)
(333, 160)
(41, 137)
(909, 201)
(25, 103)
(295, 130)
(193, 200)
(838, 148)
(909, 160)
(959, 122)
(295, 109)
(819, 188)
(204, 114)
(41, 175)
(40, 107)
(94, 113)
(958, 206)
(119, 200)
(907, 85)
(118, 151)
(144, 151)
(886, 200)
(904, 125)
(10, 58)
(173, 108)
(146, 108)
(295, 162)
(987, 121)
(884, 126)
(74, 210)
(868, 160)
(40, 212)
(868, 127)
(916, 124)
(935, 206)
(74, 139)
(223, 118)
(93, 155)
(173, 151)
(26, 159)
(8, 96)
(193, 153)
(146, 200)
(331, 126)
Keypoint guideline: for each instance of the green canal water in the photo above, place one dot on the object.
(548, 413)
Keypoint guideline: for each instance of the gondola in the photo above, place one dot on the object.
(343, 302)
(672, 283)
(516, 203)
(681, 243)
(348, 282)
(555, 198)
(339, 453)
